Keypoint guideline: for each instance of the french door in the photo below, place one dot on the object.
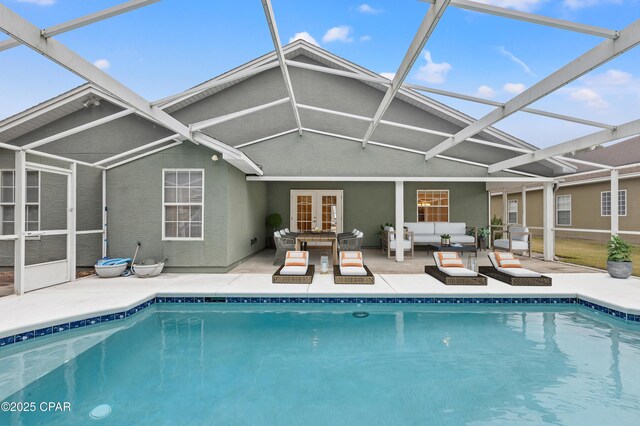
(311, 209)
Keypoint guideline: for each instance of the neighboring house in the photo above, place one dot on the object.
(204, 205)
(584, 202)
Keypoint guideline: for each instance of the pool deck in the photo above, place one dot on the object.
(93, 297)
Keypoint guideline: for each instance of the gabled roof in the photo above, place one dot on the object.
(51, 110)
(619, 154)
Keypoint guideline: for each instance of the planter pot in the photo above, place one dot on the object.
(619, 269)
(445, 241)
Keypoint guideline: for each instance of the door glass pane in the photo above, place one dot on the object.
(304, 219)
(329, 213)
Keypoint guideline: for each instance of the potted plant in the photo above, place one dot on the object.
(619, 263)
(274, 221)
(445, 239)
(483, 237)
(496, 222)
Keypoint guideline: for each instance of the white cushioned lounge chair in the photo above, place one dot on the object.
(450, 270)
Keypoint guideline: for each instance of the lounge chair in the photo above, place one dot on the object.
(352, 270)
(506, 268)
(296, 269)
(450, 270)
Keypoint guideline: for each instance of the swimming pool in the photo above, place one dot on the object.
(186, 364)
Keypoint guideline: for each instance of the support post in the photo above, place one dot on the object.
(20, 179)
(615, 214)
(505, 207)
(399, 221)
(524, 206)
(547, 221)
(104, 213)
(71, 221)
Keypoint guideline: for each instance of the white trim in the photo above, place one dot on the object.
(586, 163)
(134, 150)
(501, 104)
(84, 21)
(333, 71)
(275, 37)
(178, 204)
(137, 157)
(266, 138)
(603, 52)
(595, 231)
(77, 129)
(391, 179)
(59, 158)
(47, 168)
(231, 116)
(432, 190)
(535, 19)
(570, 210)
(93, 231)
(427, 26)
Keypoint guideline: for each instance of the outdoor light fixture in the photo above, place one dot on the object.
(214, 157)
(92, 101)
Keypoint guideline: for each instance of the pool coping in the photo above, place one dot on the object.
(117, 314)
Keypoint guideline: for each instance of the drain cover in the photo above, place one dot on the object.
(360, 314)
(100, 412)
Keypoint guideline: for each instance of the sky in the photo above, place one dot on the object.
(169, 46)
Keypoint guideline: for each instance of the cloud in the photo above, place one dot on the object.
(433, 72)
(581, 4)
(485, 92)
(39, 2)
(590, 97)
(514, 88)
(365, 38)
(515, 59)
(304, 36)
(610, 77)
(340, 33)
(365, 8)
(389, 75)
(522, 5)
(103, 64)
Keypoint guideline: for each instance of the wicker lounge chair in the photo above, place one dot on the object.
(514, 276)
(352, 270)
(453, 276)
(296, 269)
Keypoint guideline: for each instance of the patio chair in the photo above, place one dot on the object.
(354, 242)
(347, 234)
(389, 242)
(283, 244)
(506, 268)
(296, 269)
(515, 239)
(352, 270)
(450, 270)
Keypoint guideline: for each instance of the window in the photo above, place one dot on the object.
(605, 203)
(512, 212)
(183, 204)
(563, 210)
(8, 202)
(433, 205)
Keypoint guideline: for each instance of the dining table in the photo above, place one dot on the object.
(319, 237)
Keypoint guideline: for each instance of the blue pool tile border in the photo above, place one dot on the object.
(117, 316)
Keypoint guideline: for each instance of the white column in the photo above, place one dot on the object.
(104, 213)
(615, 227)
(71, 221)
(524, 206)
(20, 179)
(547, 221)
(399, 221)
(505, 207)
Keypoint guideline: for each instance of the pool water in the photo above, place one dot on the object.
(236, 366)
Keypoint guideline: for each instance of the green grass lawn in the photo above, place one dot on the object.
(586, 253)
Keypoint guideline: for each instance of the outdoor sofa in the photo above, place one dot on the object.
(425, 233)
